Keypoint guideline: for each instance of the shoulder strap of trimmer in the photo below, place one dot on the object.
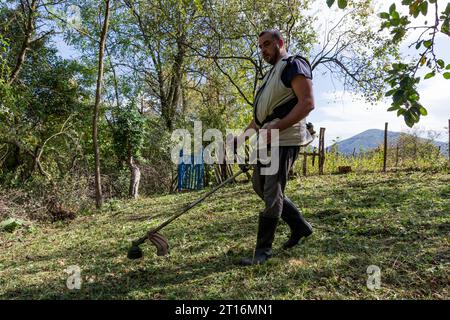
(282, 110)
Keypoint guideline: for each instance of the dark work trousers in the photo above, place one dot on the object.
(271, 187)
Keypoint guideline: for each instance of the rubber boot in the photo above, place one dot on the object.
(266, 235)
(299, 226)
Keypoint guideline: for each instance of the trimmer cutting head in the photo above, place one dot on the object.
(134, 252)
(160, 242)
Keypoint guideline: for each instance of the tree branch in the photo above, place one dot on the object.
(233, 83)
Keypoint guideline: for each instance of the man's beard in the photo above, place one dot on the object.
(272, 59)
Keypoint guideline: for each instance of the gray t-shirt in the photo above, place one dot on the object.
(299, 66)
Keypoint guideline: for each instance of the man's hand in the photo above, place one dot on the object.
(233, 141)
(244, 167)
(269, 128)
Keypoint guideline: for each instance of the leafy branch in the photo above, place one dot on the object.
(402, 76)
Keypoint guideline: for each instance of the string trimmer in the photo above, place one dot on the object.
(161, 243)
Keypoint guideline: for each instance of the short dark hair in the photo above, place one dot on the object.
(276, 34)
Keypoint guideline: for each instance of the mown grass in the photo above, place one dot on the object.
(398, 221)
(372, 162)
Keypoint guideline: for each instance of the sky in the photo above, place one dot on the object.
(344, 114)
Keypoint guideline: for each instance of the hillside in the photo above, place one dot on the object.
(370, 139)
(397, 221)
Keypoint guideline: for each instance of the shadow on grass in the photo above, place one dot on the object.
(208, 242)
(181, 275)
(149, 275)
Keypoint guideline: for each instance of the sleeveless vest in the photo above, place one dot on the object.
(273, 101)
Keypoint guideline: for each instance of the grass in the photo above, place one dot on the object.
(397, 221)
(373, 162)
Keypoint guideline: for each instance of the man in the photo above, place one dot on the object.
(282, 102)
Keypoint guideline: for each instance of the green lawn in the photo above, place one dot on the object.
(399, 222)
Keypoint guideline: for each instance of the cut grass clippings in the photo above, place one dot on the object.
(399, 222)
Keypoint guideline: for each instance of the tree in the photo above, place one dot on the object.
(402, 77)
(38, 117)
(164, 28)
(354, 53)
(228, 52)
(41, 100)
(98, 92)
(28, 16)
(229, 40)
(26, 21)
(129, 132)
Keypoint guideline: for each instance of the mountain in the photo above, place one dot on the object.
(372, 138)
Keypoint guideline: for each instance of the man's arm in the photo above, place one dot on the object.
(303, 90)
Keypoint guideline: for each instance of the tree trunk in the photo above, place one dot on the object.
(170, 96)
(29, 29)
(98, 92)
(135, 178)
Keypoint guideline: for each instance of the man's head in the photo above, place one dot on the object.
(271, 44)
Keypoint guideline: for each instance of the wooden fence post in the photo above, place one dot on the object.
(217, 173)
(321, 149)
(396, 156)
(304, 164)
(314, 156)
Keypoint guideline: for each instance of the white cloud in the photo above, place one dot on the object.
(344, 114)
(348, 116)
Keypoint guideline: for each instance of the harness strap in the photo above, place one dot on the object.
(282, 110)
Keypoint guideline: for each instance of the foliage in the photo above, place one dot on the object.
(11, 224)
(4, 70)
(35, 111)
(402, 76)
(408, 152)
(128, 132)
(167, 64)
